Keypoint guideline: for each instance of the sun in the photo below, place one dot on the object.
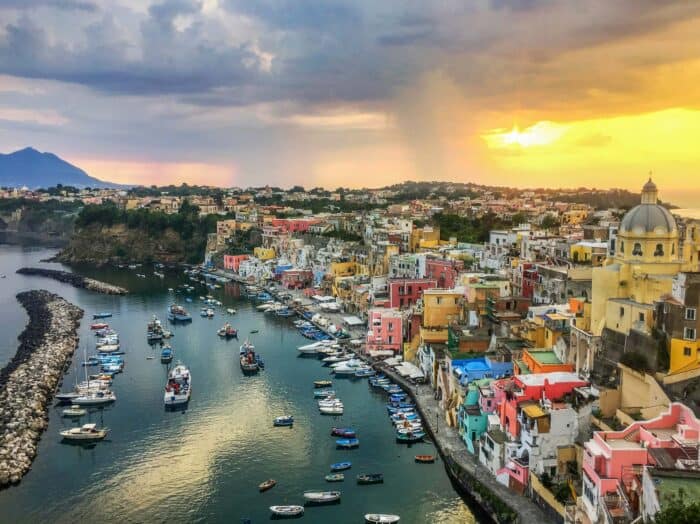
(540, 134)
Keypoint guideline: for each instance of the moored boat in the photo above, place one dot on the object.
(178, 313)
(101, 315)
(331, 410)
(287, 511)
(95, 398)
(335, 477)
(410, 437)
(74, 411)
(425, 459)
(227, 331)
(268, 484)
(322, 497)
(286, 420)
(85, 433)
(347, 443)
(341, 466)
(324, 393)
(178, 389)
(381, 518)
(98, 325)
(370, 478)
(322, 384)
(343, 432)
(166, 355)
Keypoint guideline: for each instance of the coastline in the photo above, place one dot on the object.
(74, 280)
(29, 380)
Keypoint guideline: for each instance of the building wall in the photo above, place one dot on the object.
(233, 262)
(438, 306)
(264, 253)
(405, 293)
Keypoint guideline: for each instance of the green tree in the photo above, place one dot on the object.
(677, 509)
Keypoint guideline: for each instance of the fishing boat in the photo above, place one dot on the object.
(249, 365)
(210, 313)
(343, 432)
(87, 432)
(166, 355)
(227, 331)
(178, 314)
(95, 398)
(335, 477)
(425, 459)
(286, 420)
(410, 437)
(178, 389)
(370, 478)
(74, 411)
(98, 325)
(331, 410)
(268, 484)
(347, 443)
(322, 384)
(101, 315)
(246, 347)
(381, 518)
(154, 330)
(287, 511)
(322, 497)
(365, 372)
(341, 466)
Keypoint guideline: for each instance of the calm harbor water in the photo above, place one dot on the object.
(204, 464)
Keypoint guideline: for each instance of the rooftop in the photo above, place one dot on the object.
(544, 356)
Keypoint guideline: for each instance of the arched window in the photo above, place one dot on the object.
(659, 251)
(637, 250)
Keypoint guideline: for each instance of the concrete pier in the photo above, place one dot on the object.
(74, 280)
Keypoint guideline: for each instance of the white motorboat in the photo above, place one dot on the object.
(381, 518)
(349, 367)
(331, 410)
(179, 387)
(86, 432)
(287, 511)
(108, 348)
(265, 306)
(354, 362)
(67, 397)
(322, 497)
(231, 311)
(74, 411)
(95, 398)
(330, 403)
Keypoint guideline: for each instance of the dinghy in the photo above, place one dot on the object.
(341, 466)
(322, 497)
(381, 518)
(287, 511)
(268, 484)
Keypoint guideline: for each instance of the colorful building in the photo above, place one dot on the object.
(407, 292)
(233, 262)
(385, 330)
(443, 270)
(539, 361)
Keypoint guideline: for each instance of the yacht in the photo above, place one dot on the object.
(86, 432)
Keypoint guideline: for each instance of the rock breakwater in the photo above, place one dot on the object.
(28, 382)
(74, 280)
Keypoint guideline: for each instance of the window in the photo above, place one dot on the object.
(622, 312)
(641, 317)
(659, 251)
(690, 313)
(391, 339)
(622, 247)
(689, 333)
(438, 300)
(637, 250)
(687, 351)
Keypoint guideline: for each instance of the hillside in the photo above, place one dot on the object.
(34, 169)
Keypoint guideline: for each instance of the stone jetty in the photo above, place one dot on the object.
(74, 280)
(29, 380)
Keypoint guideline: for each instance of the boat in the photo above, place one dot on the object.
(322, 497)
(268, 484)
(381, 518)
(365, 372)
(249, 365)
(341, 466)
(67, 397)
(227, 331)
(370, 478)
(231, 311)
(322, 384)
(166, 355)
(425, 459)
(287, 511)
(101, 315)
(178, 314)
(108, 348)
(95, 398)
(87, 432)
(98, 325)
(154, 330)
(178, 389)
(343, 432)
(335, 477)
(324, 393)
(246, 347)
(348, 443)
(410, 437)
(260, 361)
(74, 411)
(286, 420)
(331, 410)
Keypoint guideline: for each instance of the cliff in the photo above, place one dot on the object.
(100, 244)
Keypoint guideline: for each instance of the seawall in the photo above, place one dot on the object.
(74, 280)
(29, 380)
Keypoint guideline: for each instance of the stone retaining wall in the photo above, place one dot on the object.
(74, 280)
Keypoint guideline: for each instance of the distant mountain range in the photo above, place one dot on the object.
(34, 169)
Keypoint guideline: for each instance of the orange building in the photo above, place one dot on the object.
(539, 361)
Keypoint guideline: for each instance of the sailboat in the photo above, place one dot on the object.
(93, 397)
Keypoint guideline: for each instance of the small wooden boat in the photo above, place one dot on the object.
(370, 478)
(381, 518)
(101, 315)
(341, 466)
(348, 443)
(425, 459)
(322, 497)
(254, 331)
(287, 511)
(268, 484)
(323, 393)
(335, 477)
(98, 325)
(343, 432)
(410, 437)
(322, 384)
(286, 420)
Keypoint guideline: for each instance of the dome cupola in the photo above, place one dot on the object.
(648, 217)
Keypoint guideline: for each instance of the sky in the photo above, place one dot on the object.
(528, 93)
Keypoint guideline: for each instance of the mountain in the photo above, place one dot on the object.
(34, 169)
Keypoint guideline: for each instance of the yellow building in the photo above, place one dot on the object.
(574, 216)
(264, 253)
(224, 230)
(427, 237)
(343, 269)
(440, 308)
(586, 252)
(646, 257)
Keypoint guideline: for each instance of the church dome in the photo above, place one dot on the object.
(649, 216)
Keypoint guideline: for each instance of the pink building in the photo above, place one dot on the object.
(614, 460)
(444, 271)
(385, 330)
(405, 292)
(233, 262)
(297, 278)
(294, 225)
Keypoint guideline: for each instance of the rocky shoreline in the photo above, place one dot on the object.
(74, 280)
(29, 380)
